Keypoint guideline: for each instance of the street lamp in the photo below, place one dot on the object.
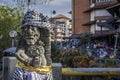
(12, 34)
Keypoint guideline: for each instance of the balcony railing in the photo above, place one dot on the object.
(102, 3)
(99, 1)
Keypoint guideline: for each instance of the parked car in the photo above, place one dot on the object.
(9, 51)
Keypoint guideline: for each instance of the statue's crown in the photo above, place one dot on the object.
(35, 19)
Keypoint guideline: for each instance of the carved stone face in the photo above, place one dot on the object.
(31, 35)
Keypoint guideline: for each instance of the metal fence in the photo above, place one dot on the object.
(90, 73)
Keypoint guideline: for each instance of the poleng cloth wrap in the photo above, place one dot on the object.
(40, 69)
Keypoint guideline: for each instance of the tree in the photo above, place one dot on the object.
(10, 19)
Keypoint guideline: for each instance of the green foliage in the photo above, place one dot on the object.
(75, 58)
(85, 38)
(10, 19)
(78, 58)
(55, 54)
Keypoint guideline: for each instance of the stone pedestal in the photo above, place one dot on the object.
(8, 67)
(57, 71)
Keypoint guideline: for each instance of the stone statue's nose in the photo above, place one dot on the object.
(30, 29)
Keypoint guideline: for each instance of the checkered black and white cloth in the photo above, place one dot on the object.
(21, 74)
(36, 19)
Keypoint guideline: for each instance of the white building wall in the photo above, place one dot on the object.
(92, 29)
(67, 27)
(92, 16)
(102, 12)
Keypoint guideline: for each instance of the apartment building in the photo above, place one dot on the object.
(62, 27)
(87, 13)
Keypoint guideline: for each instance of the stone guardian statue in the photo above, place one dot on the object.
(34, 49)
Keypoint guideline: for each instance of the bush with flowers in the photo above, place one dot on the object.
(78, 59)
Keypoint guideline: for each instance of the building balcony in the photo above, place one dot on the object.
(104, 33)
(100, 5)
(102, 17)
(89, 23)
(96, 18)
(104, 1)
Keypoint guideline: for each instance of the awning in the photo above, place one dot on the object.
(98, 7)
(105, 24)
(10, 50)
(104, 33)
(114, 9)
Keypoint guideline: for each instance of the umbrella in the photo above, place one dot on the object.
(10, 50)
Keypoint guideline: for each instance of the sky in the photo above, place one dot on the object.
(60, 6)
